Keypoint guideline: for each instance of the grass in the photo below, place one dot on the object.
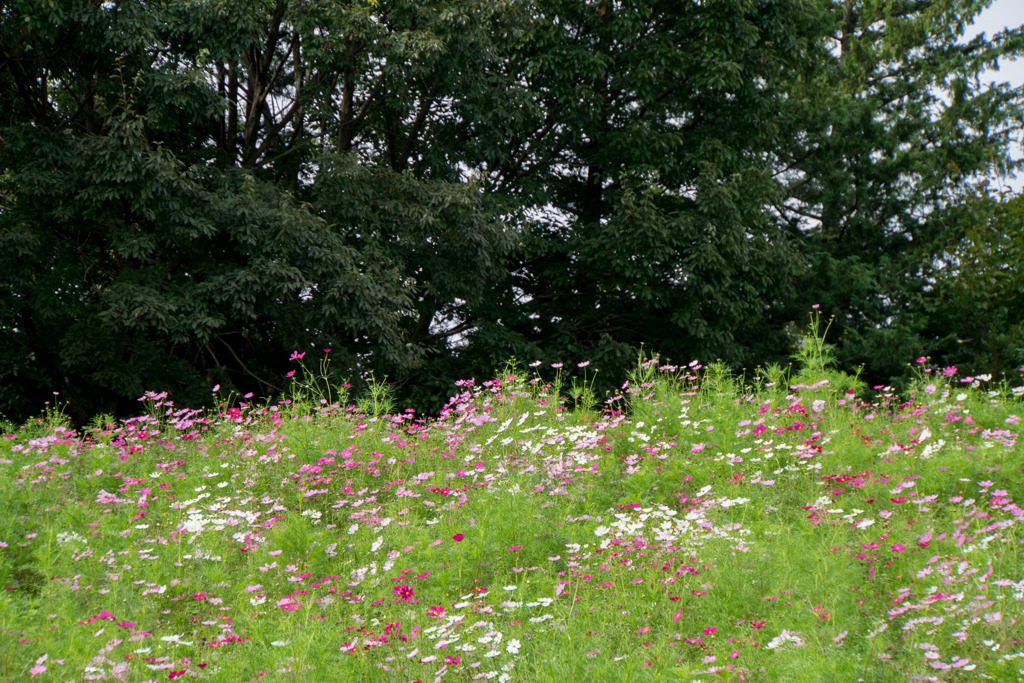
(694, 529)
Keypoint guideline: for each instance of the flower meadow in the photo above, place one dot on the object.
(691, 528)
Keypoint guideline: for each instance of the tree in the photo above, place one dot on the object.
(156, 160)
(886, 138)
(977, 323)
(191, 191)
(641, 146)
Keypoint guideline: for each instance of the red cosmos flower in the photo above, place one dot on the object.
(458, 537)
(403, 591)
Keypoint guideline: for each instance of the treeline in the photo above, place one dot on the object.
(191, 190)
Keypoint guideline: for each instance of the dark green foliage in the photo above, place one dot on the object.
(191, 191)
(134, 259)
(978, 320)
(888, 134)
(643, 149)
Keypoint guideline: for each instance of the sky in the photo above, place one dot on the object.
(1000, 15)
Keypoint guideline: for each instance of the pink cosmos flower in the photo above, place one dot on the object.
(287, 603)
(39, 667)
(403, 592)
(104, 614)
(457, 537)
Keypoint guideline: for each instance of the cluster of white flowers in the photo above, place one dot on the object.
(357, 575)
(176, 639)
(663, 525)
(200, 554)
(785, 638)
(69, 537)
(932, 448)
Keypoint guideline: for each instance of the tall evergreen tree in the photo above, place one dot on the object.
(886, 138)
(643, 148)
(977, 321)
